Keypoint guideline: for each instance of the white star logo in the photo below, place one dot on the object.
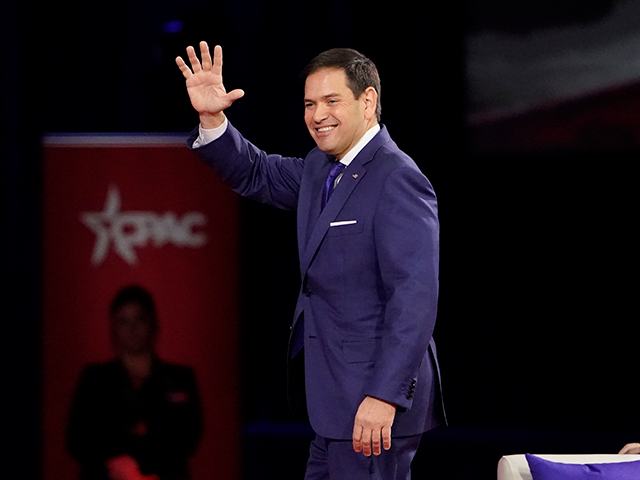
(134, 229)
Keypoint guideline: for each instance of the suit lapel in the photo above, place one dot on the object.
(309, 206)
(352, 176)
(313, 223)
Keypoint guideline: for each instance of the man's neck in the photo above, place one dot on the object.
(364, 140)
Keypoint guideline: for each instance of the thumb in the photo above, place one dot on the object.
(234, 95)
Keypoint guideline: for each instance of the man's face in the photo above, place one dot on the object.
(335, 118)
(131, 329)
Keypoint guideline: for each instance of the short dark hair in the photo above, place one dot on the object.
(360, 71)
(139, 295)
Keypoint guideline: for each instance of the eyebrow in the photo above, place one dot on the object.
(324, 97)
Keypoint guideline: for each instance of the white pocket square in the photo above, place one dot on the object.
(344, 222)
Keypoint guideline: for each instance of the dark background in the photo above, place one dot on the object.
(536, 330)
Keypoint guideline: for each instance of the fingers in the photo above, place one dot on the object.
(193, 59)
(217, 60)
(206, 56)
(357, 438)
(379, 439)
(386, 437)
(630, 448)
(375, 442)
(366, 442)
(371, 441)
(207, 64)
(186, 71)
(362, 440)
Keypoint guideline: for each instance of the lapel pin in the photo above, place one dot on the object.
(355, 175)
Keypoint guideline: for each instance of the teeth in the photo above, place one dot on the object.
(326, 129)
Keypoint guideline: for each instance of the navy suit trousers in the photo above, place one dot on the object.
(336, 460)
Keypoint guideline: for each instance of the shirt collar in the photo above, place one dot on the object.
(366, 138)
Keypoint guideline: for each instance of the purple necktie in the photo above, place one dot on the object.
(334, 172)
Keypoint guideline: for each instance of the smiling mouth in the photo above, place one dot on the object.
(325, 129)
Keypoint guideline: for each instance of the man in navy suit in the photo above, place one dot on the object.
(368, 240)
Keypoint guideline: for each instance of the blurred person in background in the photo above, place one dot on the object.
(135, 417)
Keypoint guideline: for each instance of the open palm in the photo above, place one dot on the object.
(204, 82)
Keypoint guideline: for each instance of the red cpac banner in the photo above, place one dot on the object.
(143, 210)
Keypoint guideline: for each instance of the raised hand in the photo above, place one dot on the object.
(204, 84)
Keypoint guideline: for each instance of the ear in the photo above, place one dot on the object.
(370, 98)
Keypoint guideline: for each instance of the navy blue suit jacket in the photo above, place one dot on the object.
(369, 270)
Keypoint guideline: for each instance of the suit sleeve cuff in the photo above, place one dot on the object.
(206, 136)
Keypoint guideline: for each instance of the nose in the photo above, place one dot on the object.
(320, 113)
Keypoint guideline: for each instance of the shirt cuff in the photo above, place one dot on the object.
(206, 136)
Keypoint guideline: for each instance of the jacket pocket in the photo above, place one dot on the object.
(345, 228)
